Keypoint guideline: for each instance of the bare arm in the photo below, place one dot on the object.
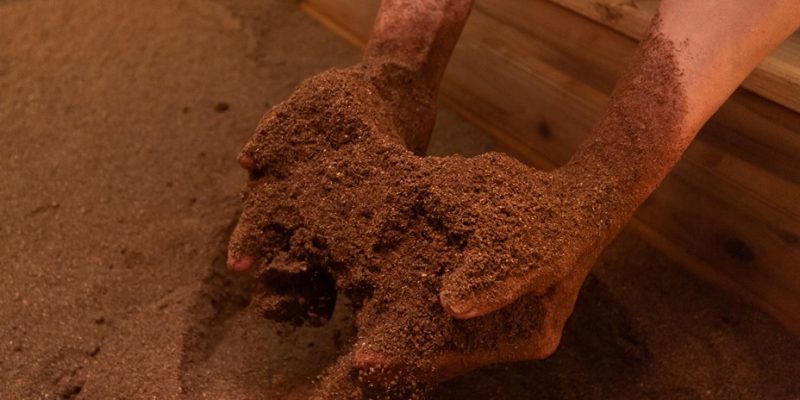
(696, 54)
(419, 34)
(415, 39)
(701, 51)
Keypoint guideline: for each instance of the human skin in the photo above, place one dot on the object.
(419, 36)
(717, 43)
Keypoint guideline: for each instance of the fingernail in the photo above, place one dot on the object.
(455, 309)
(246, 162)
(241, 264)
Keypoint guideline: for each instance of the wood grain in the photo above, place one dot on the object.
(777, 78)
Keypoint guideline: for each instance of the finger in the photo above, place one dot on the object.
(393, 365)
(483, 284)
(464, 301)
(240, 264)
(243, 247)
(541, 341)
(462, 298)
(292, 291)
(246, 162)
(479, 301)
(470, 292)
(381, 368)
(419, 35)
(261, 147)
(251, 242)
(389, 372)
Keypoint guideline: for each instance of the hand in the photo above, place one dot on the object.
(526, 241)
(326, 170)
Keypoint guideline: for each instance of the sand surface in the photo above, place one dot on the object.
(119, 127)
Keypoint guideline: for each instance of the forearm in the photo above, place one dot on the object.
(411, 42)
(418, 34)
(694, 57)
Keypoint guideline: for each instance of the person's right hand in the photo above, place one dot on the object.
(302, 260)
(525, 241)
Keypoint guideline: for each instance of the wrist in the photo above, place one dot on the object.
(407, 99)
(419, 35)
(608, 196)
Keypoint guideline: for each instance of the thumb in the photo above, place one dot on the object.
(464, 301)
(243, 245)
(478, 288)
(253, 241)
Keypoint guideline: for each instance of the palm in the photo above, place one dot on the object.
(336, 205)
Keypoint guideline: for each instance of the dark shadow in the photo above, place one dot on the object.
(602, 355)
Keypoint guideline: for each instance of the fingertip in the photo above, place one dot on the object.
(373, 367)
(246, 162)
(241, 264)
(480, 302)
(382, 370)
(458, 309)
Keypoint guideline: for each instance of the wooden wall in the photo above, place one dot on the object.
(535, 74)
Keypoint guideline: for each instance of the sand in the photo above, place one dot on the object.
(338, 205)
(119, 128)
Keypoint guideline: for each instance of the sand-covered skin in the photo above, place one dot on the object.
(335, 200)
(338, 205)
(116, 207)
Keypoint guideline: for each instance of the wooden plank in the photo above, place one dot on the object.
(536, 75)
(777, 78)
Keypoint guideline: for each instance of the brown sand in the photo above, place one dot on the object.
(334, 201)
(120, 190)
(336, 205)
